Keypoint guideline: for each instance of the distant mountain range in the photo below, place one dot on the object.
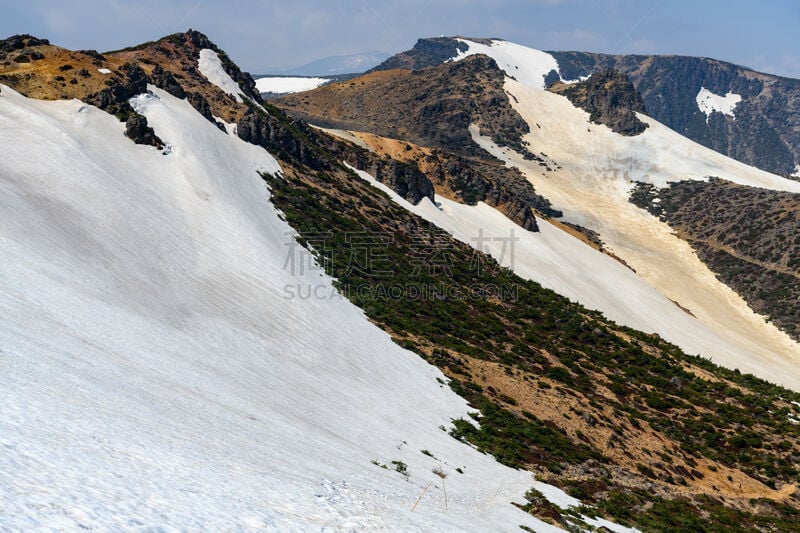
(334, 65)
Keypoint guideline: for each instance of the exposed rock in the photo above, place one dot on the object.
(426, 53)
(18, 42)
(94, 53)
(610, 99)
(165, 80)
(201, 105)
(137, 129)
(277, 137)
(115, 98)
(405, 180)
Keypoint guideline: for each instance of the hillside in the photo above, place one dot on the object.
(611, 415)
(433, 110)
(762, 129)
(748, 236)
(156, 373)
(258, 324)
(586, 171)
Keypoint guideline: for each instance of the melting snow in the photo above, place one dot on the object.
(285, 85)
(592, 187)
(526, 65)
(709, 102)
(211, 67)
(159, 375)
(563, 263)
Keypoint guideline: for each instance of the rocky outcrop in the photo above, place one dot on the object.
(610, 98)
(19, 42)
(115, 98)
(283, 139)
(426, 53)
(166, 80)
(137, 130)
(406, 180)
(765, 131)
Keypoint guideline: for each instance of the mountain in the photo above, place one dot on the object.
(161, 368)
(218, 316)
(335, 65)
(759, 125)
(586, 172)
(750, 116)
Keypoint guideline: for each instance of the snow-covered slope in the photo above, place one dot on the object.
(157, 375)
(597, 168)
(563, 263)
(211, 67)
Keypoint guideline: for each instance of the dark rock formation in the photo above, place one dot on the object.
(284, 140)
(201, 105)
(115, 98)
(610, 98)
(137, 129)
(403, 178)
(18, 42)
(426, 53)
(165, 80)
(93, 53)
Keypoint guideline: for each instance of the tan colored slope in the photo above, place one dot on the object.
(592, 187)
(641, 446)
(65, 74)
(58, 76)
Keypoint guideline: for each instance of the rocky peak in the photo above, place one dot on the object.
(610, 99)
(425, 53)
(18, 42)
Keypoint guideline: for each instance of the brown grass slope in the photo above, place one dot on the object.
(749, 237)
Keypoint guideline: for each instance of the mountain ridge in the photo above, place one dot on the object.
(774, 147)
(619, 418)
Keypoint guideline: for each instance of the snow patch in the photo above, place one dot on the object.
(211, 67)
(796, 171)
(526, 65)
(286, 85)
(709, 102)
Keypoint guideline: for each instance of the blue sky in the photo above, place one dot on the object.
(261, 35)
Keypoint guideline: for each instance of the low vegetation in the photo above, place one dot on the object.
(616, 416)
(749, 237)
